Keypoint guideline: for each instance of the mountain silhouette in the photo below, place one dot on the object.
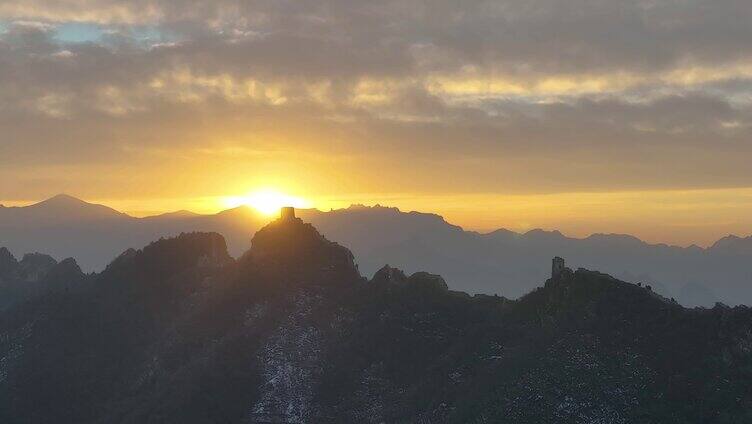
(734, 245)
(60, 209)
(500, 262)
(33, 276)
(179, 331)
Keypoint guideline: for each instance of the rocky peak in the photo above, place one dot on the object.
(124, 257)
(389, 275)
(428, 281)
(593, 297)
(8, 263)
(168, 256)
(395, 277)
(35, 266)
(66, 273)
(6, 256)
(297, 245)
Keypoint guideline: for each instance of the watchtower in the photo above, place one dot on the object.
(287, 213)
(557, 267)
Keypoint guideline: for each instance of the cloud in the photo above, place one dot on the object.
(598, 95)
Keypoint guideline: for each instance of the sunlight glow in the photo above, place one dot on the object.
(268, 201)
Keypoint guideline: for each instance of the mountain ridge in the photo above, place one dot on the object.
(35, 275)
(414, 241)
(63, 207)
(280, 336)
(68, 200)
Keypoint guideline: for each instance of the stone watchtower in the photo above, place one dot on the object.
(287, 213)
(557, 267)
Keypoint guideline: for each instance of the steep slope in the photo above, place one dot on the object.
(290, 332)
(175, 332)
(586, 348)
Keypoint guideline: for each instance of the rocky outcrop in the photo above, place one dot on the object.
(395, 277)
(36, 275)
(166, 257)
(300, 249)
(34, 266)
(389, 275)
(8, 264)
(428, 281)
(66, 271)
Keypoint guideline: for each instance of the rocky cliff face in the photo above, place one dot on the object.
(179, 332)
(35, 275)
(8, 264)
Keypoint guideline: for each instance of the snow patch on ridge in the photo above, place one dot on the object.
(291, 366)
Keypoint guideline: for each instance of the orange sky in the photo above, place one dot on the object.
(493, 114)
(673, 217)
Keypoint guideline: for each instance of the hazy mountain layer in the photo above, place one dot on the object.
(180, 332)
(503, 262)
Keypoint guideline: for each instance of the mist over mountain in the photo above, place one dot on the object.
(500, 262)
(179, 331)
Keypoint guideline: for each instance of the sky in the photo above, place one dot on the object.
(626, 116)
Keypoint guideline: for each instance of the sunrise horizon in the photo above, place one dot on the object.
(357, 211)
(267, 201)
(512, 115)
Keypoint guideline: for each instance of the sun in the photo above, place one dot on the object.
(268, 201)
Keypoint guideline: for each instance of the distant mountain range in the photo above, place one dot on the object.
(180, 332)
(500, 262)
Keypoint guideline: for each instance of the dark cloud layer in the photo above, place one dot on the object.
(593, 94)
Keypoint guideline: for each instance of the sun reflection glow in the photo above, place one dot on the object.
(268, 201)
